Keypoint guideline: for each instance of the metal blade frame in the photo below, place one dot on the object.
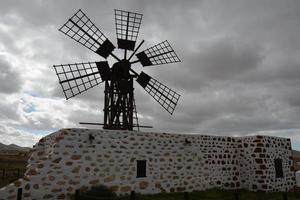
(81, 29)
(127, 28)
(77, 78)
(164, 95)
(159, 54)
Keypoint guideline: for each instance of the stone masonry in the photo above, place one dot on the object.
(73, 159)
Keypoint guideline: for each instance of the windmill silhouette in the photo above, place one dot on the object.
(119, 103)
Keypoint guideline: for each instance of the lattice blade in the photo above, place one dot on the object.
(77, 78)
(161, 53)
(81, 29)
(127, 28)
(165, 96)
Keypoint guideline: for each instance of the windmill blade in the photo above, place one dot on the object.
(165, 96)
(161, 53)
(79, 77)
(81, 29)
(127, 28)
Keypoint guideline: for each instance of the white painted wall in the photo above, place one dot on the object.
(66, 160)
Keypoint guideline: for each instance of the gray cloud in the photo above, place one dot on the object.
(239, 71)
(10, 80)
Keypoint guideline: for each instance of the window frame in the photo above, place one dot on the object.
(141, 173)
(278, 168)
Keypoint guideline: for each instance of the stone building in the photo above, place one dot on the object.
(73, 159)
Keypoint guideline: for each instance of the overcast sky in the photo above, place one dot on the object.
(239, 75)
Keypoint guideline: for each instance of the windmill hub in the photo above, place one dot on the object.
(120, 70)
(119, 103)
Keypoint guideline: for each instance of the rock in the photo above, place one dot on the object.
(125, 189)
(17, 183)
(114, 188)
(35, 186)
(32, 172)
(110, 178)
(48, 196)
(143, 185)
(69, 163)
(94, 182)
(27, 187)
(56, 190)
(76, 157)
(57, 160)
(61, 196)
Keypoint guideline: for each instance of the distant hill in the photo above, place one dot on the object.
(296, 154)
(13, 147)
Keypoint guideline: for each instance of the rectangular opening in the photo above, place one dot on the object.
(141, 168)
(278, 168)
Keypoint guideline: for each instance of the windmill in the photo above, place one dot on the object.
(119, 104)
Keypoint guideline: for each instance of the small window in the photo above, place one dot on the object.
(278, 168)
(141, 168)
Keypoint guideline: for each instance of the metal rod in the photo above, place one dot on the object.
(152, 56)
(161, 54)
(72, 79)
(113, 55)
(90, 123)
(134, 61)
(125, 52)
(136, 49)
(161, 93)
(133, 71)
(96, 124)
(143, 126)
(85, 32)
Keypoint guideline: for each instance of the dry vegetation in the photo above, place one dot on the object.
(12, 167)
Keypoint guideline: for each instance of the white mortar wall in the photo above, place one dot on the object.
(66, 160)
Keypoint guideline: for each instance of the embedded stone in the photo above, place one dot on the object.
(51, 178)
(26, 194)
(260, 145)
(73, 182)
(70, 189)
(36, 186)
(57, 139)
(143, 185)
(32, 172)
(180, 189)
(75, 157)
(17, 183)
(27, 187)
(259, 172)
(61, 196)
(76, 170)
(48, 196)
(57, 160)
(69, 163)
(257, 150)
(114, 188)
(56, 190)
(263, 167)
(158, 185)
(40, 165)
(125, 189)
(94, 182)
(88, 158)
(110, 178)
